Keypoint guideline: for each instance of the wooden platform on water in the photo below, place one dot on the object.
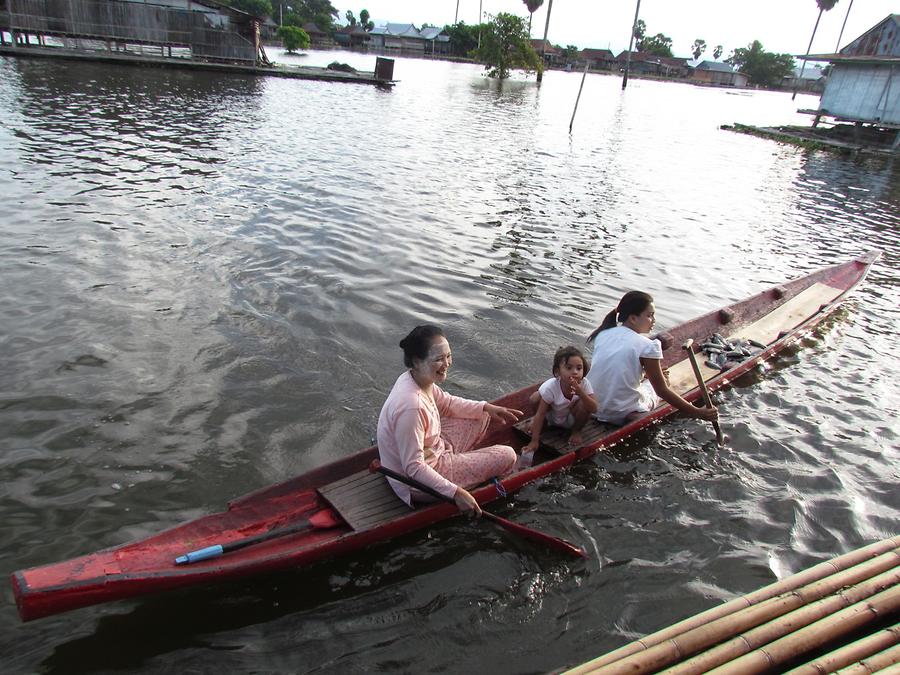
(842, 615)
(295, 72)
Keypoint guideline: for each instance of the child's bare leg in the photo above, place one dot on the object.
(580, 414)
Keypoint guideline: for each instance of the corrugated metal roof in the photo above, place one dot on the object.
(717, 66)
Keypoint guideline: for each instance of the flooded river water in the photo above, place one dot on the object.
(204, 278)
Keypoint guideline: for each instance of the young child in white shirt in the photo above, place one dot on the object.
(565, 400)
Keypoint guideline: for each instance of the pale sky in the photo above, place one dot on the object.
(783, 26)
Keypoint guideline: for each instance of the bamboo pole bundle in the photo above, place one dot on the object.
(879, 662)
(743, 603)
(814, 636)
(851, 653)
(787, 624)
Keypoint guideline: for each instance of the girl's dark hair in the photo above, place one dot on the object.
(633, 302)
(418, 342)
(563, 354)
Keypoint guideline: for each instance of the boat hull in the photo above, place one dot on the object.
(781, 314)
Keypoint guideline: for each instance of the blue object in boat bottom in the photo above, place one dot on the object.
(200, 554)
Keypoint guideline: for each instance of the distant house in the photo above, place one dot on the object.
(720, 74)
(863, 85)
(642, 63)
(810, 79)
(401, 36)
(317, 36)
(436, 40)
(597, 59)
(553, 56)
(354, 37)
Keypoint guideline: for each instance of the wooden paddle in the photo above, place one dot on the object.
(521, 530)
(689, 348)
(320, 520)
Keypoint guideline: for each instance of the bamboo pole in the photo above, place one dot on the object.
(782, 627)
(877, 663)
(816, 635)
(812, 574)
(851, 653)
(578, 98)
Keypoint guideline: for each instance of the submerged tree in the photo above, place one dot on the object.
(293, 38)
(506, 45)
(698, 48)
(764, 69)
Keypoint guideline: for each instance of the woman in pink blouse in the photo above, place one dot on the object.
(430, 435)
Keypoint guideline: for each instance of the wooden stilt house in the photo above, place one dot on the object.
(202, 30)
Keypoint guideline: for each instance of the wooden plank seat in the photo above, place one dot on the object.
(557, 438)
(364, 500)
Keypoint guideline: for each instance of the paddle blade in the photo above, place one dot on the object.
(536, 535)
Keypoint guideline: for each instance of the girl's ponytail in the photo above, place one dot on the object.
(609, 321)
(633, 302)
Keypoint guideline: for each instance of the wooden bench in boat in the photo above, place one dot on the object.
(364, 500)
(557, 438)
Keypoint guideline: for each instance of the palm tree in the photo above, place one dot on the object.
(841, 34)
(532, 6)
(824, 6)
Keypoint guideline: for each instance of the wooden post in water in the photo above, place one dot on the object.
(637, 10)
(578, 98)
(540, 75)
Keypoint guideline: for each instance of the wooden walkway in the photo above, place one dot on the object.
(295, 72)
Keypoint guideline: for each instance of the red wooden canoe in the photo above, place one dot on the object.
(367, 511)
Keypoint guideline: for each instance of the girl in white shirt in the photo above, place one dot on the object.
(565, 400)
(623, 356)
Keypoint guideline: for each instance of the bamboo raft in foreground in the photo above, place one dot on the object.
(840, 615)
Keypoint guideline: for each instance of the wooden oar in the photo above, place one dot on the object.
(689, 348)
(320, 520)
(521, 530)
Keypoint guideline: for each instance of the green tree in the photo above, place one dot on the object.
(320, 12)
(570, 53)
(658, 45)
(698, 48)
(463, 38)
(717, 52)
(351, 20)
(640, 30)
(506, 45)
(260, 8)
(293, 38)
(764, 69)
(533, 6)
(364, 20)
